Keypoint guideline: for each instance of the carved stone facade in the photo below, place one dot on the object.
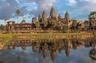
(53, 13)
(13, 27)
(43, 22)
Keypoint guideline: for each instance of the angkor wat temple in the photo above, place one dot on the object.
(53, 23)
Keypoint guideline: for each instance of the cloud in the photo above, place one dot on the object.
(43, 4)
(7, 8)
(71, 2)
(90, 1)
(31, 7)
(77, 8)
(47, 4)
(82, 8)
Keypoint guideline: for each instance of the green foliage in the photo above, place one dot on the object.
(74, 25)
(1, 27)
(65, 27)
(37, 23)
(23, 21)
(92, 15)
(46, 23)
(18, 12)
(92, 20)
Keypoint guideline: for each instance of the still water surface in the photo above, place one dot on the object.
(59, 52)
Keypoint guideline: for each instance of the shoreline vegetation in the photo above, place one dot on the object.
(7, 39)
(50, 35)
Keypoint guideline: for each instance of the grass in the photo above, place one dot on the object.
(42, 35)
(5, 38)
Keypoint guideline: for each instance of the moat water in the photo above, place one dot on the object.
(52, 52)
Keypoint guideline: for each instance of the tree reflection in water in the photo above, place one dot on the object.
(1, 61)
(92, 54)
(51, 49)
(75, 43)
(23, 47)
(67, 47)
(43, 49)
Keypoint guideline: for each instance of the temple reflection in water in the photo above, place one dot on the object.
(51, 49)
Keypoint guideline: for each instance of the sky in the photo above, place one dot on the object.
(78, 9)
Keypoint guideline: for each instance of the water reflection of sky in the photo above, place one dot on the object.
(76, 56)
(80, 55)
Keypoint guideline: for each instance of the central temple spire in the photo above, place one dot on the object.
(53, 13)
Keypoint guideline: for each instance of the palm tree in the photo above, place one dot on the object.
(18, 12)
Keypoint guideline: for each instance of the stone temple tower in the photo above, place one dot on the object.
(53, 13)
(39, 16)
(44, 16)
(68, 21)
(67, 16)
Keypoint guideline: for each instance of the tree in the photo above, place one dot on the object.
(65, 27)
(55, 24)
(1, 27)
(92, 20)
(92, 54)
(44, 20)
(46, 23)
(74, 26)
(18, 12)
(37, 23)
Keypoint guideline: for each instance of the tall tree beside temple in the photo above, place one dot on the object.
(18, 12)
(35, 23)
(92, 20)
